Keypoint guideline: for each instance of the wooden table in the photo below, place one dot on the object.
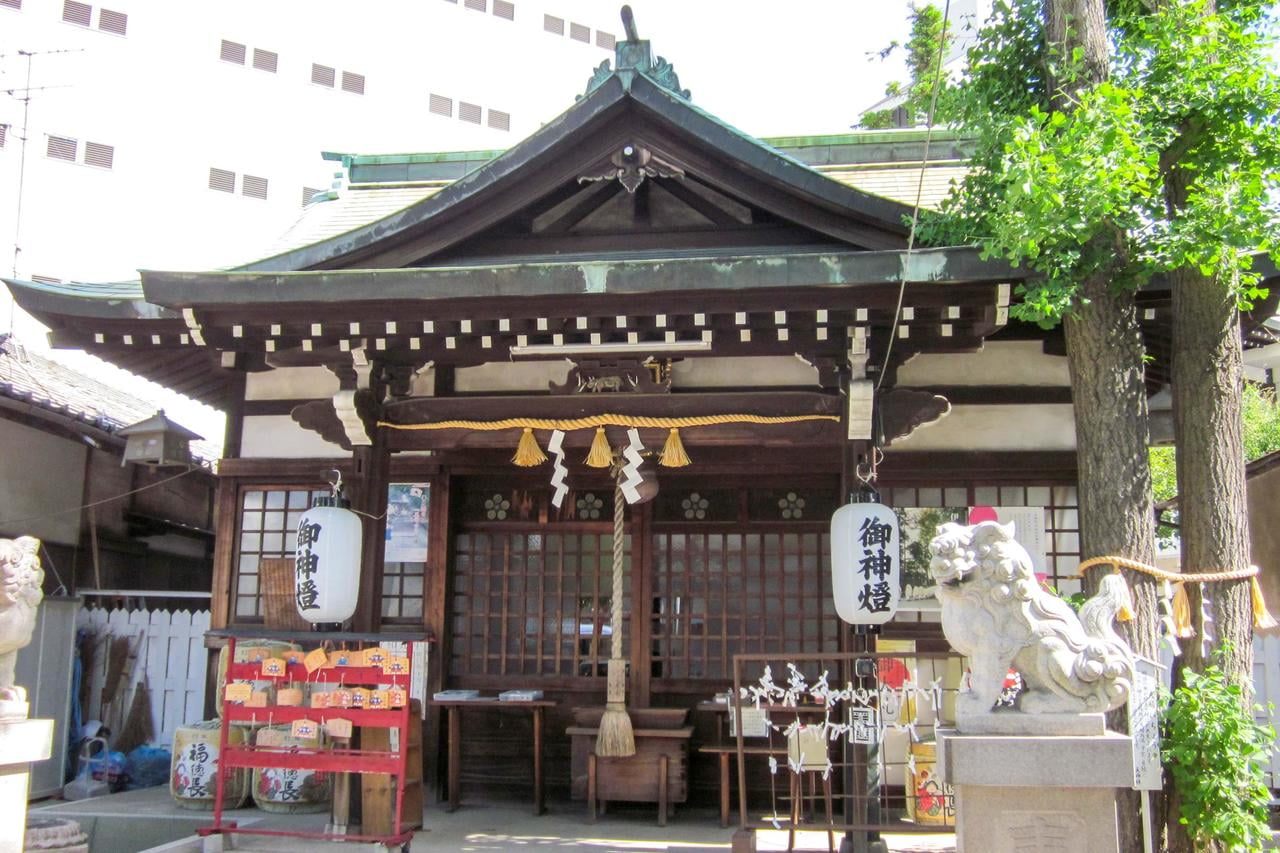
(537, 708)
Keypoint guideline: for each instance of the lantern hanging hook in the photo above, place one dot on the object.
(866, 472)
(335, 482)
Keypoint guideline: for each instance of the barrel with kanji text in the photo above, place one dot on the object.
(193, 775)
(286, 790)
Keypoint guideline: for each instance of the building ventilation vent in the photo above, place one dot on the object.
(222, 180)
(232, 52)
(441, 106)
(605, 40)
(112, 22)
(322, 75)
(61, 148)
(97, 154)
(11, 4)
(504, 10)
(477, 5)
(552, 24)
(469, 112)
(578, 32)
(265, 60)
(498, 120)
(353, 83)
(76, 13)
(254, 187)
(308, 193)
(4, 131)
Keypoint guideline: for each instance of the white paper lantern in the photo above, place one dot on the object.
(327, 561)
(866, 563)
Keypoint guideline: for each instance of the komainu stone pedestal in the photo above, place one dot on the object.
(1034, 793)
(21, 742)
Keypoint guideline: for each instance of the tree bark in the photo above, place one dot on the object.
(1105, 354)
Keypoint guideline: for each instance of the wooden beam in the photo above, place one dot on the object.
(590, 199)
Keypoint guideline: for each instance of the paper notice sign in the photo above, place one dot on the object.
(321, 700)
(304, 729)
(289, 696)
(257, 699)
(273, 668)
(238, 692)
(338, 727)
(315, 659)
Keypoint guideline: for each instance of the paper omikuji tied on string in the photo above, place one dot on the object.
(866, 563)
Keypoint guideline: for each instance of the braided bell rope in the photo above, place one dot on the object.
(615, 609)
(1172, 577)
(611, 420)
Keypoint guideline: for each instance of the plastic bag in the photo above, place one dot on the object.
(147, 766)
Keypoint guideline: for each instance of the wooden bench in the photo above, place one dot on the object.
(724, 752)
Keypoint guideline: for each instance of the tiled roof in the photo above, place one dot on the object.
(43, 382)
(360, 205)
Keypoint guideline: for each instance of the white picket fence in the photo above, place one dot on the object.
(171, 657)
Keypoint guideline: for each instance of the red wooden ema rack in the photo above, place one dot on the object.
(328, 760)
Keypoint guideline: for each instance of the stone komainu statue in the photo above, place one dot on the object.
(21, 580)
(996, 613)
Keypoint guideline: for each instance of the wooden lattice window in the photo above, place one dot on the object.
(268, 528)
(1061, 518)
(232, 51)
(533, 603)
(719, 593)
(402, 592)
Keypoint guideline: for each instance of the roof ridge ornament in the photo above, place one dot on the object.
(633, 55)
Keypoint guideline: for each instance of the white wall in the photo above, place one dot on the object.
(997, 363)
(40, 475)
(279, 436)
(1038, 427)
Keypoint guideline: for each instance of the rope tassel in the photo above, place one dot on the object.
(1125, 612)
(673, 453)
(601, 455)
(528, 453)
(1181, 613)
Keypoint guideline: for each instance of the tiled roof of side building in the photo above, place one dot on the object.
(32, 378)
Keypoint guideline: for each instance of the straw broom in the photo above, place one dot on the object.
(615, 738)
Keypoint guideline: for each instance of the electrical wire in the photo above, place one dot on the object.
(915, 211)
(9, 521)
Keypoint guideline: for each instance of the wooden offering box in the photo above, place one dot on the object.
(662, 743)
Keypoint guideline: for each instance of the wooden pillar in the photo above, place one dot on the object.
(435, 615)
(371, 469)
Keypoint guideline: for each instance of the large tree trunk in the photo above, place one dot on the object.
(1105, 353)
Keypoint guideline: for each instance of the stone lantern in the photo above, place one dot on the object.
(157, 441)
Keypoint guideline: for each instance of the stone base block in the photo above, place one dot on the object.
(21, 742)
(1035, 793)
(1016, 723)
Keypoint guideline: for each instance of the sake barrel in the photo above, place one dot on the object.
(193, 774)
(250, 650)
(285, 790)
(929, 800)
